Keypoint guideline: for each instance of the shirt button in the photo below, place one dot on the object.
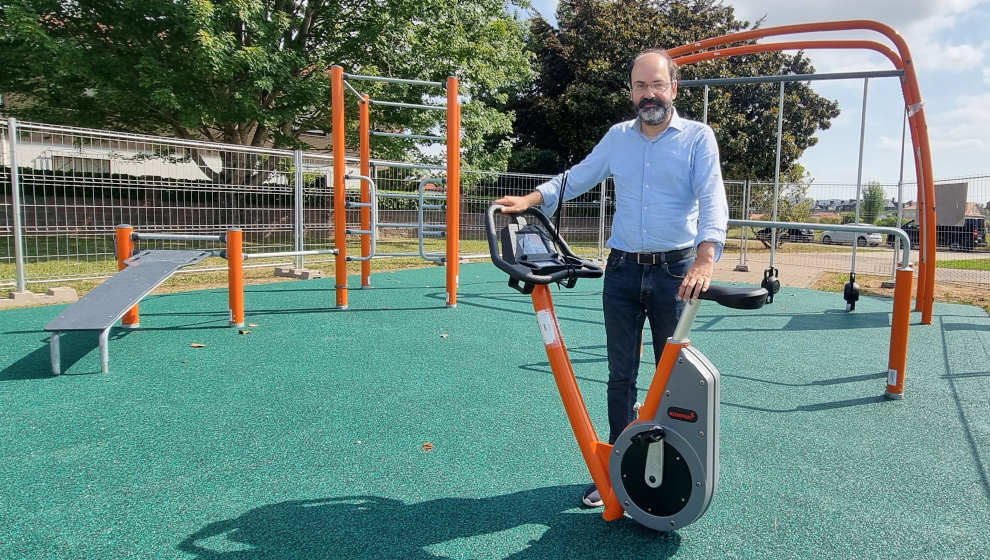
(647, 164)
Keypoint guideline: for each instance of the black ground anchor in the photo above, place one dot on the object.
(771, 282)
(851, 292)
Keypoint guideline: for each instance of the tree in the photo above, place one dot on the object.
(873, 203)
(582, 88)
(255, 72)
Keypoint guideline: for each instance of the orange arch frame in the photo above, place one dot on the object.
(912, 99)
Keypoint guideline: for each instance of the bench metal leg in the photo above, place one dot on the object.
(53, 345)
(105, 350)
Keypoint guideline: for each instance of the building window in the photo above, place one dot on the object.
(80, 164)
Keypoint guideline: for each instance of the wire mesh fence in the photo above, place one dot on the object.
(76, 185)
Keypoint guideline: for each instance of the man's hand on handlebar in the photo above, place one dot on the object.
(699, 277)
(517, 204)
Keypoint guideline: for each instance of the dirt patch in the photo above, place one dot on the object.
(873, 285)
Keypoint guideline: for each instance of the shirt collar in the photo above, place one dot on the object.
(676, 122)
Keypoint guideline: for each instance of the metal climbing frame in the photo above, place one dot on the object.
(367, 205)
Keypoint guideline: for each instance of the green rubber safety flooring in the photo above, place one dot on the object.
(400, 428)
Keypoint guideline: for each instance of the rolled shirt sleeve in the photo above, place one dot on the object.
(706, 180)
(581, 178)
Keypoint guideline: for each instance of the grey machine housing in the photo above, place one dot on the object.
(689, 474)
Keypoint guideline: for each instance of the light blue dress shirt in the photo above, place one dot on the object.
(668, 190)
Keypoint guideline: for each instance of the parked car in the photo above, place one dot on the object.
(972, 233)
(862, 238)
(795, 235)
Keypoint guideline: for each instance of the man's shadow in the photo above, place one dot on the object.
(378, 527)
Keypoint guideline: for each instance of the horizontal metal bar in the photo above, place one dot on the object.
(137, 236)
(357, 205)
(408, 105)
(412, 225)
(407, 254)
(406, 81)
(22, 126)
(290, 253)
(863, 228)
(357, 231)
(416, 196)
(409, 136)
(432, 206)
(401, 165)
(791, 78)
(432, 233)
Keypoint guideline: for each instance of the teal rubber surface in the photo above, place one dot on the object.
(305, 438)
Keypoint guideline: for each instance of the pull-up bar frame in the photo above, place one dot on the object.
(790, 78)
(453, 168)
(902, 60)
(689, 53)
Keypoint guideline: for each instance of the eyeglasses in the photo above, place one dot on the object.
(658, 87)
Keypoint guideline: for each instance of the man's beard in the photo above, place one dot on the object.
(654, 111)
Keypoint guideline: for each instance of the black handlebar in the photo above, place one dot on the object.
(572, 266)
(568, 267)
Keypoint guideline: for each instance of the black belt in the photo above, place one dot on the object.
(658, 258)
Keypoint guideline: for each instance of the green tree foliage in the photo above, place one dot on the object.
(873, 203)
(583, 86)
(255, 72)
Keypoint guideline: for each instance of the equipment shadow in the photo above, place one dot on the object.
(73, 346)
(379, 527)
(962, 398)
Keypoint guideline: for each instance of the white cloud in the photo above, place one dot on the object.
(902, 15)
(890, 143)
(962, 127)
(918, 21)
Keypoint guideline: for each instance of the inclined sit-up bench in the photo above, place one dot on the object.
(140, 273)
(106, 304)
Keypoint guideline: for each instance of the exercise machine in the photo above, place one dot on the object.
(663, 469)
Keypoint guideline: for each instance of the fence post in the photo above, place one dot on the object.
(743, 265)
(601, 221)
(15, 190)
(298, 207)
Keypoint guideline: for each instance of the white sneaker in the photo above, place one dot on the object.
(591, 497)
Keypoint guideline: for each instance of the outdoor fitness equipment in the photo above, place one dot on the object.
(663, 469)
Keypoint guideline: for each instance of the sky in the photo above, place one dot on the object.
(948, 42)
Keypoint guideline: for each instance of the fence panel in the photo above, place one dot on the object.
(77, 184)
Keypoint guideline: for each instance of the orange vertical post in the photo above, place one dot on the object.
(235, 276)
(900, 323)
(595, 453)
(125, 247)
(453, 189)
(364, 133)
(339, 192)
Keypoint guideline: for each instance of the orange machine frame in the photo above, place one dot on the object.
(902, 60)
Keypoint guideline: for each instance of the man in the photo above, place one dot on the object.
(669, 226)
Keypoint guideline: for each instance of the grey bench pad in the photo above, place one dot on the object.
(108, 302)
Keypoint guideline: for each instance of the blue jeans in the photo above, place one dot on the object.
(633, 293)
